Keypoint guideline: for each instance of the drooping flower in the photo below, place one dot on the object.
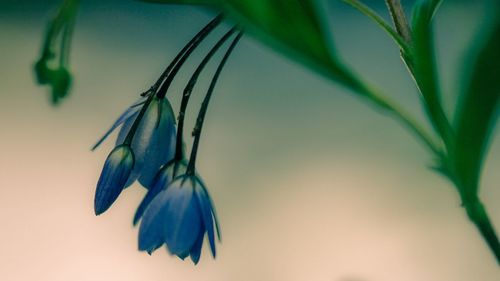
(179, 217)
(114, 175)
(153, 141)
(162, 180)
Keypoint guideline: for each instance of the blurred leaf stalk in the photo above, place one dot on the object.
(52, 66)
(297, 28)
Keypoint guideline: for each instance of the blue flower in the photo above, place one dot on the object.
(153, 143)
(179, 217)
(114, 175)
(162, 180)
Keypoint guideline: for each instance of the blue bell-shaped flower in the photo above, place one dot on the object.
(114, 175)
(162, 180)
(179, 216)
(154, 140)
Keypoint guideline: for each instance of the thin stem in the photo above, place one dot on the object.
(478, 215)
(170, 77)
(399, 19)
(66, 41)
(137, 121)
(170, 73)
(66, 11)
(191, 45)
(423, 70)
(188, 90)
(380, 21)
(204, 106)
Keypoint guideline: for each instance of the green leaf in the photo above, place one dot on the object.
(195, 2)
(422, 61)
(478, 108)
(293, 27)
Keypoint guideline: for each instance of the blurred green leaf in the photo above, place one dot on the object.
(478, 108)
(293, 27)
(294, 23)
(423, 64)
(196, 2)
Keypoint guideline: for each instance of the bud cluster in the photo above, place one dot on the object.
(177, 210)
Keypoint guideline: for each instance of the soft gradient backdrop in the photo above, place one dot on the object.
(309, 183)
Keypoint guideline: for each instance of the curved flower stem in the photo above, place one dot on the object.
(204, 106)
(179, 155)
(169, 73)
(190, 45)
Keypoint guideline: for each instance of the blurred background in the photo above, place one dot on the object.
(309, 182)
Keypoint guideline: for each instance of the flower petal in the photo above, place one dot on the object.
(206, 214)
(132, 110)
(151, 230)
(114, 175)
(153, 142)
(196, 249)
(162, 145)
(211, 205)
(162, 180)
(142, 137)
(182, 220)
(152, 192)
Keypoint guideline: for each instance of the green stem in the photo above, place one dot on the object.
(399, 19)
(478, 215)
(66, 41)
(423, 64)
(66, 13)
(380, 21)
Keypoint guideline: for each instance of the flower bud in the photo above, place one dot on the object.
(114, 175)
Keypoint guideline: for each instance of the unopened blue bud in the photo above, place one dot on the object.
(154, 140)
(114, 175)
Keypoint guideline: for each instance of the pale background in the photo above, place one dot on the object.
(309, 183)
